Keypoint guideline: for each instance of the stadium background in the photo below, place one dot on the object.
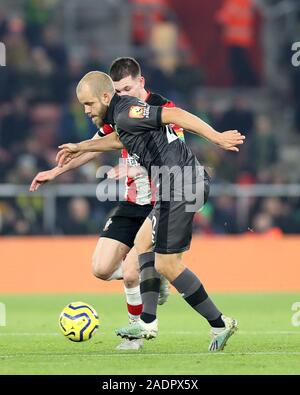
(232, 68)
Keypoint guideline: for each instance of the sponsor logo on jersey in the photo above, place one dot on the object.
(132, 161)
(139, 112)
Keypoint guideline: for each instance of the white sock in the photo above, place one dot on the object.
(134, 302)
(117, 274)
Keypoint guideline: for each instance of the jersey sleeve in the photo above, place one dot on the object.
(177, 129)
(105, 130)
(138, 117)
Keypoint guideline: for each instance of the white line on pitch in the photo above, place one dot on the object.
(143, 355)
(241, 332)
(28, 334)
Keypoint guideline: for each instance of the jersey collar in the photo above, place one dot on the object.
(148, 96)
(109, 117)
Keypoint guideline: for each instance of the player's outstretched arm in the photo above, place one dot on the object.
(43, 177)
(49, 175)
(70, 151)
(227, 140)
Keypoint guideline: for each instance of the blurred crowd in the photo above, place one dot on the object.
(39, 111)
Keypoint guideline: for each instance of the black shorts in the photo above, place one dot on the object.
(124, 221)
(172, 222)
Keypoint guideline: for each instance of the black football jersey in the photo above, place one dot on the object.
(142, 133)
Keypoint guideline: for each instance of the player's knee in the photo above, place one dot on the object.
(100, 270)
(160, 267)
(131, 277)
(169, 265)
(101, 274)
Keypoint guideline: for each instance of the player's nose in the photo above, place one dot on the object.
(87, 110)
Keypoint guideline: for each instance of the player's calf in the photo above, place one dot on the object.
(164, 291)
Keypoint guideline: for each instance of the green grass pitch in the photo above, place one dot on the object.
(266, 343)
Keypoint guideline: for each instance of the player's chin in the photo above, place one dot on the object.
(97, 121)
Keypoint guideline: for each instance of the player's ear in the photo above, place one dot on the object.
(106, 98)
(142, 81)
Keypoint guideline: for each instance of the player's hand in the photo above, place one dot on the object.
(67, 153)
(230, 139)
(41, 178)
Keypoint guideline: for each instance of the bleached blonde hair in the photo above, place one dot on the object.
(97, 82)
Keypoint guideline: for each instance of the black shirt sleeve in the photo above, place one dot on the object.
(100, 133)
(137, 117)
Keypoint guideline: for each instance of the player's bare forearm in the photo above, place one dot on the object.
(72, 161)
(49, 175)
(78, 161)
(107, 143)
(189, 122)
(70, 151)
(227, 140)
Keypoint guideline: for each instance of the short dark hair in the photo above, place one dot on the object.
(124, 67)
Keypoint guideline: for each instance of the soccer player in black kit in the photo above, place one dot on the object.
(145, 132)
(114, 258)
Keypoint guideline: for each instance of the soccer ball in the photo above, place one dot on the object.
(78, 321)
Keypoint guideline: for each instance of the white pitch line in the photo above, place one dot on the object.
(240, 332)
(136, 354)
(269, 332)
(28, 334)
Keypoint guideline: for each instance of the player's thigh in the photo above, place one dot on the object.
(108, 256)
(118, 237)
(143, 239)
(172, 227)
(122, 228)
